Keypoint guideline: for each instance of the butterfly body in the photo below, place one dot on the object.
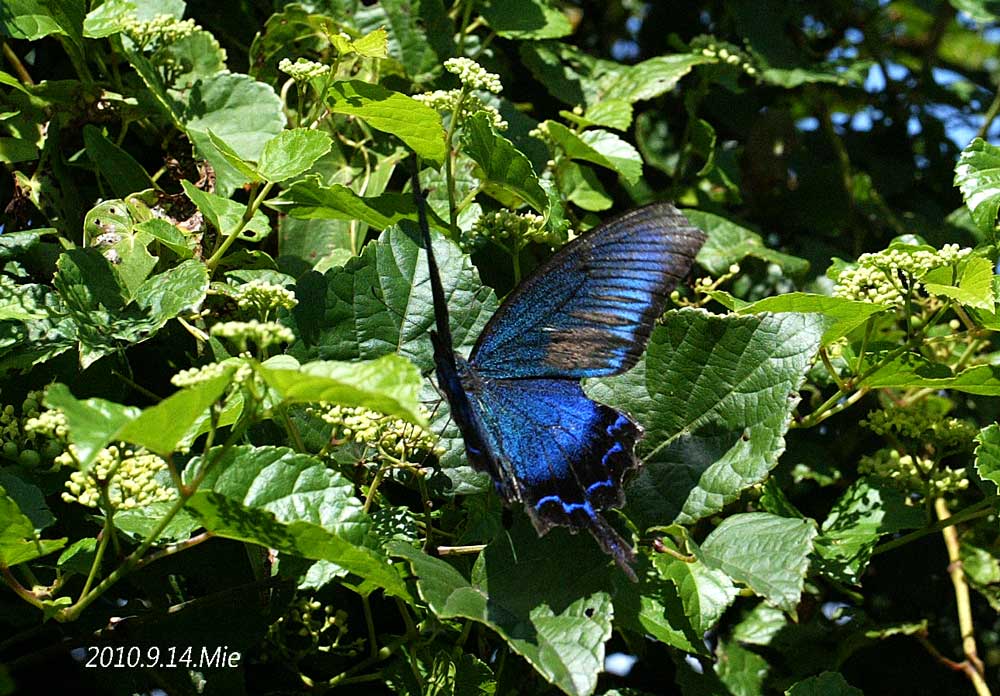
(517, 400)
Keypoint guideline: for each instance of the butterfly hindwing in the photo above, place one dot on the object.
(562, 454)
(589, 311)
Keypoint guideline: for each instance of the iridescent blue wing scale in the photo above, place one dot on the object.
(560, 453)
(589, 311)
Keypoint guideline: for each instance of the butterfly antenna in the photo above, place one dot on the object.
(437, 290)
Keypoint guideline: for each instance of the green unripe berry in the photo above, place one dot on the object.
(29, 457)
(10, 450)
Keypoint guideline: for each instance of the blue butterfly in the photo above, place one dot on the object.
(517, 400)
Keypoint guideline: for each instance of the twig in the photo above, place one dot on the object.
(974, 669)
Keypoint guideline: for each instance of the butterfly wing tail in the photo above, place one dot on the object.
(613, 544)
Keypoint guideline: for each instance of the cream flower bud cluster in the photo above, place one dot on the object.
(260, 333)
(132, 479)
(163, 28)
(194, 376)
(504, 224)
(876, 277)
(473, 75)
(371, 428)
(303, 69)
(263, 296)
(446, 100)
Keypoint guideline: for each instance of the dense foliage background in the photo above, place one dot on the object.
(217, 429)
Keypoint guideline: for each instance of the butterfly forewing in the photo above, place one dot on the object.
(589, 311)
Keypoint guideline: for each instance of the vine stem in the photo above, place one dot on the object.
(973, 667)
(19, 589)
(16, 65)
(981, 509)
(449, 164)
(247, 216)
(990, 116)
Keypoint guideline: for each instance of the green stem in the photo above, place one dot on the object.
(869, 326)
(19, 589)
(824, 356)
(990, 116)
(983, 508)
(102, 545)
(449, 164)
(234, 235)
(963, 602)
(15, 64)
(466, 16)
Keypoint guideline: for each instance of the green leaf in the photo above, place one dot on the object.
(29, 499)
(168, 235)
(415, 123)
(676, 602)
(988, 453)
(290, 502)
(92, 423)
(864, 513)
(20, 302)
(245, 169)
(226, 215)
(191, 59)
(653, 77)
(741, 670)
(168, 294)
(974, 287)
(825, 684)
(525, 19)
(610, 113)
(240, 111)
(420, 33)
(19, 541)
(36, 19)
(977, 175)
(13, 150)
(504, 167)
(78, 557)
(715, 395)
(769, 554)
(706, 593)
(374, 44)
(107, 18)
(118, 167)
(161, 428)
(292, 152)
(580, 185)
(913, 370)
(729, 243)
(311, 200)
(844, 315)
(390, 385)
(599, 147)
(142, 521)
(14, 244)
(380, 302)
(558, 622)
